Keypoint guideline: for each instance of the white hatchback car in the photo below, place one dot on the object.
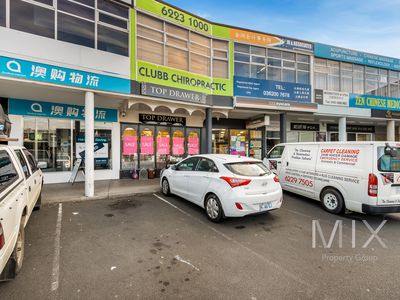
(225, 185)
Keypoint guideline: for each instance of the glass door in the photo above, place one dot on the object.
(220, 141)
(129, 157)
(178, 144)
(147, 157)
(163, 148)
(239, 142)
(255, 147)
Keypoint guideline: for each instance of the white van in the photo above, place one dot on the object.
(358, 176)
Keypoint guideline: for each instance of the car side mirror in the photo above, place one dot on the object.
(173, 167)
(42, 165)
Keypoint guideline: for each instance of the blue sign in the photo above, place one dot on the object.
(58, 110)
(23, 69)
(258, 88)
(352, 56)
(374, 102)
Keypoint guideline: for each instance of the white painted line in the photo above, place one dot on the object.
(56, 260)
(287, 273)
(177, 257)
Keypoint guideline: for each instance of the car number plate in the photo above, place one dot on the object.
(266, 205)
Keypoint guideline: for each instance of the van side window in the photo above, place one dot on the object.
(31, 160)
(276, 152)
(8, 173)
(23, 162)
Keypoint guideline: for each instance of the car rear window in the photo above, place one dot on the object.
(387, 162)
(248, 168)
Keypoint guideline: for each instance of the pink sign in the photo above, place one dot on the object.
(193, 146)
(177, 146)
(147, 145)
(163, 145)
(129, 145)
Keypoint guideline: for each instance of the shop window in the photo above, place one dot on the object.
(31, 18)
(193, 141)
(238, 142)
(150, 51)
(123, 24)
(178, 142)
(147, 148)
(258, 71)
(242, 70)
(220, 141)
(75, 30)
(163, 147)
(75, 9)
(129, 160)
(220, 68)
(8, 173)
(274, 74)
(113, 8)
(112, 40)
(3, 13)
(288, 75)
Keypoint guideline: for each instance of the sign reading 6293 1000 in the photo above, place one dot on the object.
(175, 15)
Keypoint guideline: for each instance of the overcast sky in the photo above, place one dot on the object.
(366, 25)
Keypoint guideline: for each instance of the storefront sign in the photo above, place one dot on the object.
(165, 76)
(178, 146)
(174, 15)
(374, 102)
(274, 104)
(261, 39)
(162, 119)
(335, 98)
(193, 146)
(129, 145)
(160, 91)
(357, 57)
(34, 71)
(258, 88)
(58, 110)
(304, 126)
(387, 114)
(258, 122)
(163, 145)
(352, 128)
(147, 145)
(101, 153)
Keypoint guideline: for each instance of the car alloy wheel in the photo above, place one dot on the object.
(165, 187)
(212, 208)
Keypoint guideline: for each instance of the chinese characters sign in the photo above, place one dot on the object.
(258, 88)
(58, 110)
(23, 69)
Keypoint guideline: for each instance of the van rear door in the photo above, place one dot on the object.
(388, 173)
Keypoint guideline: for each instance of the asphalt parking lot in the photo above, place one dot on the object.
(153, 247)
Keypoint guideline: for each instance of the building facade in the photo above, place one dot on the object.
(144, 84)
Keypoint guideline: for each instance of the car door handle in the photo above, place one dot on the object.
(279, 162)
(205, 176)
(35, 181)
(29, 188)
(287, 163)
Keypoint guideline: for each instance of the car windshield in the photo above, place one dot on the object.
(248, 168)
(388, 162)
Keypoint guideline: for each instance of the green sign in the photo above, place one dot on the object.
(148, 72)
(175, 15)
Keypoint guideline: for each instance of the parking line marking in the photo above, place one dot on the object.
(266, 260)
(56, 261)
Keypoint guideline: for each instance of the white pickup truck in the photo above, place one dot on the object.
(21, 184)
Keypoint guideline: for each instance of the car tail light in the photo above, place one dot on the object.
(2, 242)
(372, 185)
(234, 182)
(276, 178)
(238, 205)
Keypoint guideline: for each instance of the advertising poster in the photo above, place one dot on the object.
(193, 146)
(100, 147)
(147, 145)
(178, 146)
(238, 145)
(163, 145)
(129, 145)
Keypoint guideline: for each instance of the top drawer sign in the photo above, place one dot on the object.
(175, 15)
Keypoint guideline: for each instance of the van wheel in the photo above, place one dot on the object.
(19, 249)
(214, 209)
(332, 201)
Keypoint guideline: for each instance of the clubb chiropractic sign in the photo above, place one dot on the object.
(161, 75)
(58, 110)
(34, 71)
